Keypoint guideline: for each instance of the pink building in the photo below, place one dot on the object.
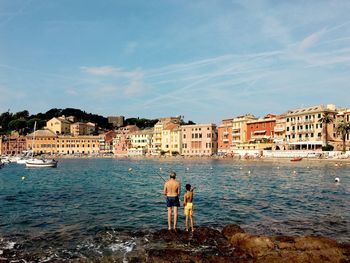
(199, 140)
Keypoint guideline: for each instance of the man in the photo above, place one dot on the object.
(172, 193)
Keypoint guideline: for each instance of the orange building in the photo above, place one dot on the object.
(225, 136)
(261, 130)
(13, 145)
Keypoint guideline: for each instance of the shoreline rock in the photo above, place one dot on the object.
(233, 244)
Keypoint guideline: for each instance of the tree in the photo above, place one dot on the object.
(18, 125)
(325, 120)
(343, 129)
(21, 114)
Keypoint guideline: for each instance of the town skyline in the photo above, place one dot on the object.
(206, 61)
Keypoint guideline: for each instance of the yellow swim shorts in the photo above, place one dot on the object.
(189, 209)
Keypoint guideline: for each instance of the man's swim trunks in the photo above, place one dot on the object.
(172, 201)
(188, 209)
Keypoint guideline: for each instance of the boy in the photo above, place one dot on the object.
(188, 198)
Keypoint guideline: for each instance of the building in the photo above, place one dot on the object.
(59, 125)
(106, 142)
(225, 136)
(232, 133)
(280, 133)
(13, 145)
(158, 131)
(199, 140)
(141, 142)
(171, 139)
(261, 130)
(82, 128)
(44, 142)
(305, 130)
(116, 121)
(84, 144)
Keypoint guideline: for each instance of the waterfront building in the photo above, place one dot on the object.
(171, 139)
(121, 144)
(59, 125)
(13, 145)
(199, 140)
(280, 133)
(225, 136)
(44, 142)
(305, 130)
(116, 121)
(343, 115)
(82, 128)
(232, 133)
(261, 130)
(158, 130)
(106, 141)
(84, 144)
(141, 142)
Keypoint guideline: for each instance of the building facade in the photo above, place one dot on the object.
(13, 145)
(59, 125)
(305, 129)
(116, 121)
(199, 140)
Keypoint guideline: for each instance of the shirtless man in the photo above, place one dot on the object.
(172, 193)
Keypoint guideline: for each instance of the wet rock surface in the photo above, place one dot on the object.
(232, 244)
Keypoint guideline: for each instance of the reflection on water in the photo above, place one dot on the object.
(79, 206)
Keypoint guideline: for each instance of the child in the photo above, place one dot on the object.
(188, 197)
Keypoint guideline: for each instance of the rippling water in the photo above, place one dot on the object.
(89, 207)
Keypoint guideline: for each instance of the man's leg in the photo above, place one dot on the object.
(169, 218)
(191, 218)
(175, 217)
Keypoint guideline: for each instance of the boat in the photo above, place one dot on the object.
(296, 159)
(38, 163)
(41, 163)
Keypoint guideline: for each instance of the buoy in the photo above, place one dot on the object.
(308, 167)
(187, 168)
(248, 172)
(337, 180)
(240, 168)
(130, 169)
(336, 164)
(160, 168)
(278, 167)
(211, 168)
(294, 172)
(23, 177)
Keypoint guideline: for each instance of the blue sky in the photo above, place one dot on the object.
(206, 60)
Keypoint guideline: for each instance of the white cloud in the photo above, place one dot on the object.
(311, 40)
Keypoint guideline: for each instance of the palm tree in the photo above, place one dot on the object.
(343, 129)
(325, 120)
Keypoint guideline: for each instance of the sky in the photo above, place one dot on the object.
(204, 60)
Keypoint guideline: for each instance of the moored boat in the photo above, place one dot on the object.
(41, 163)
(296, 159)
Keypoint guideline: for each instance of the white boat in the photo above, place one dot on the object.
(41, 163)
(34, 162)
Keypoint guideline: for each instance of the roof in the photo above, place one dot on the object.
(42, 133)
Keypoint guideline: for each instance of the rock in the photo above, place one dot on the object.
(230, 230)
(251, 246)
(314, 243)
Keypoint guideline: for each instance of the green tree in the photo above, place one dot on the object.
(325, 120)
(5, 118)
(18, 125)
(343, 129)
(21, 114)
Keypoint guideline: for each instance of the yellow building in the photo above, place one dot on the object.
(239, 129)
(44, 142)
(59, 125)
(305, 131)
(85, 144)
(157, 133)
(280, 134)
(171, 139)
(82, 128)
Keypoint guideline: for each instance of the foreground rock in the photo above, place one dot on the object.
(232, 244)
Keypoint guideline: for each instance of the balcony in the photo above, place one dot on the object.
(225, 133)
(236, 134)
(279, 129)
(225, 140)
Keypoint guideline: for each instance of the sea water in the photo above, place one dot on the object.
(94, 207)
